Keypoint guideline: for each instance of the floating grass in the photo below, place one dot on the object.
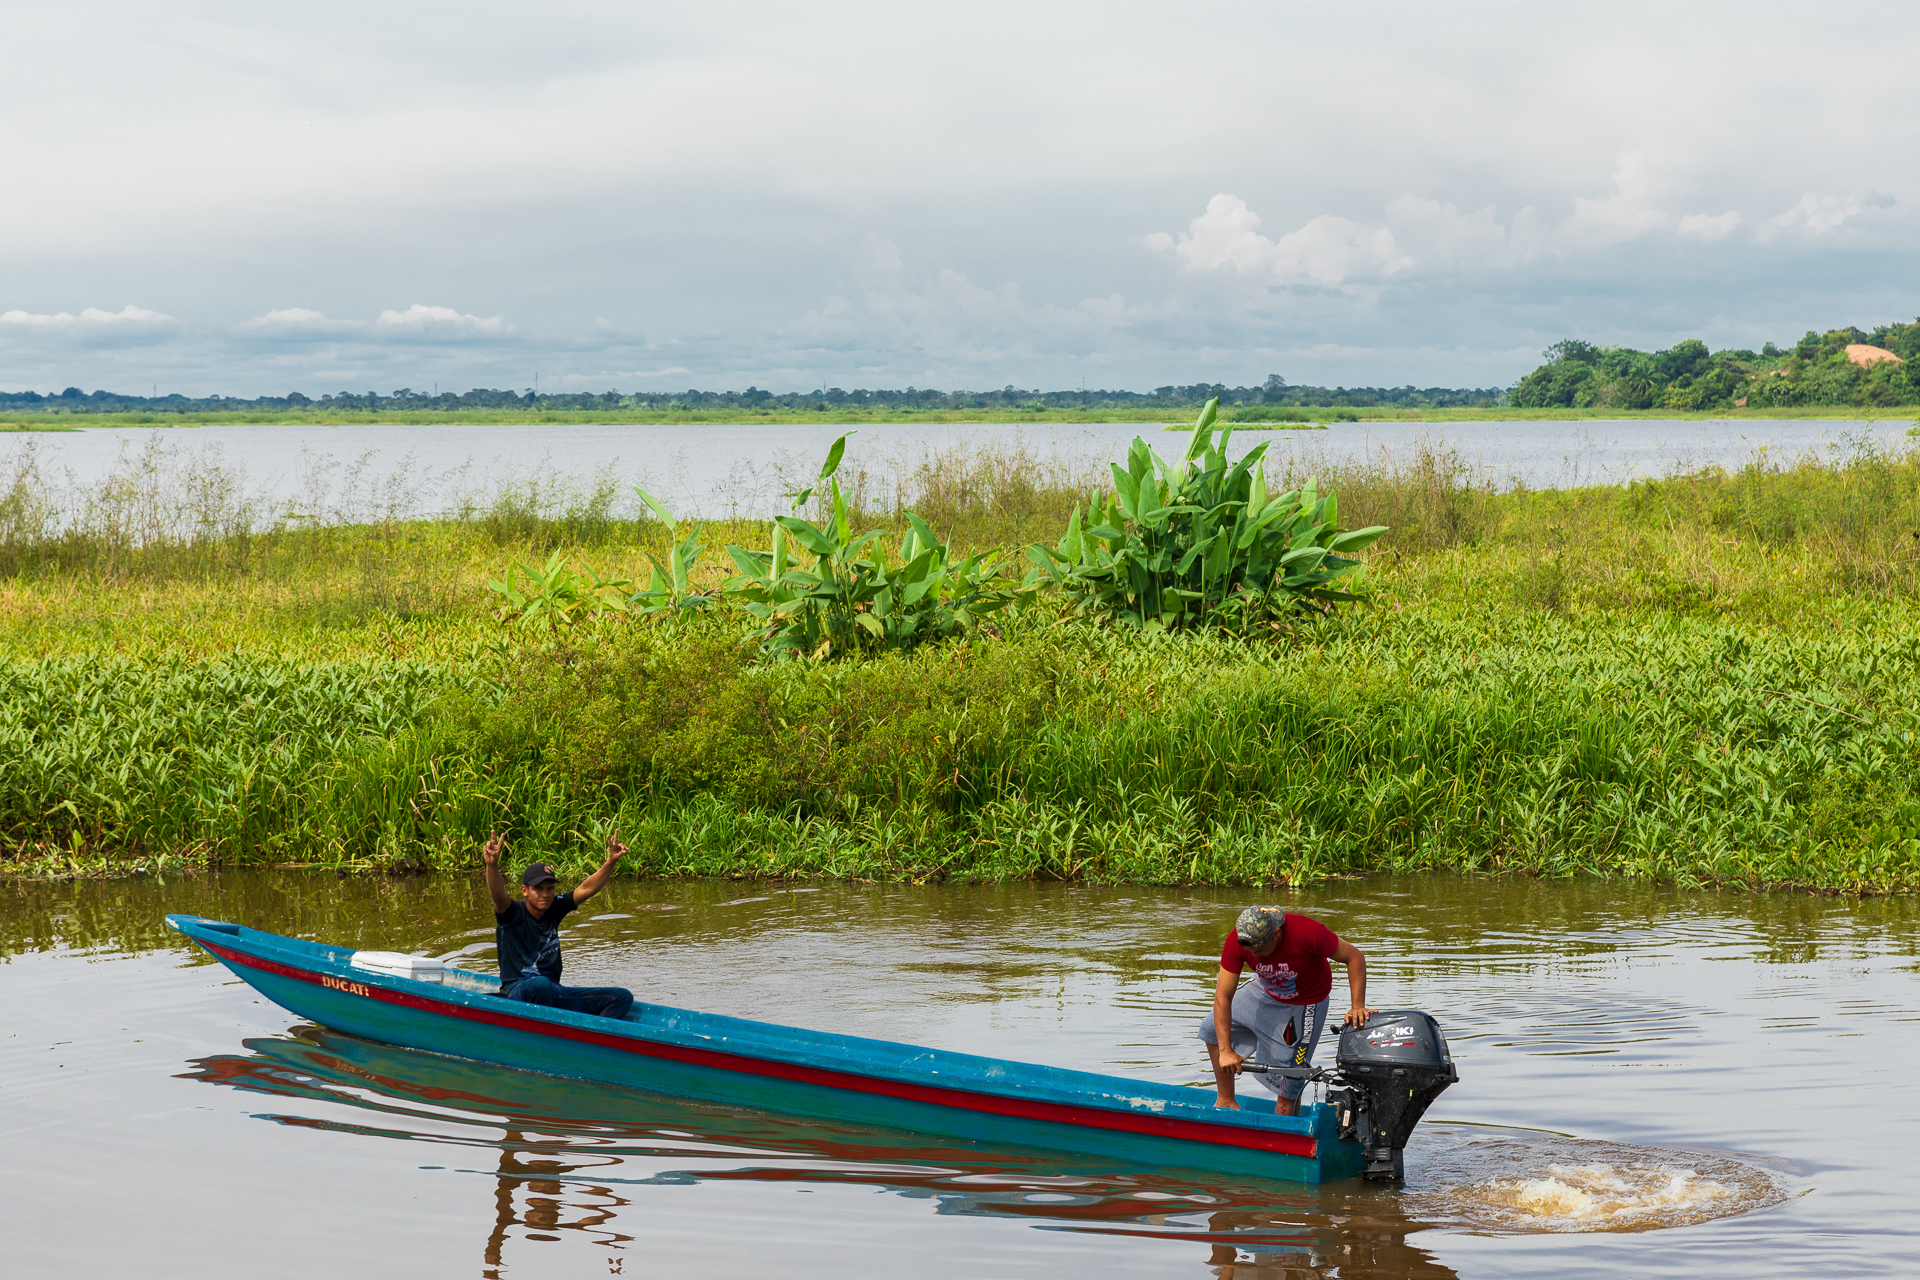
(1703, 679)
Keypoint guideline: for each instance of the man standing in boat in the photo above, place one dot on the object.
(527, 934)
(1277, 1018)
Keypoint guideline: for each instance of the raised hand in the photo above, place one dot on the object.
(490, 853)
(615, 850)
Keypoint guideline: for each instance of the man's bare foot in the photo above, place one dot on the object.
(1227, 1103)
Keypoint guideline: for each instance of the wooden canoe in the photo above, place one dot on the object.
(787, 1069)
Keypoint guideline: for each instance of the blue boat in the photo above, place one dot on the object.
(788, 1069)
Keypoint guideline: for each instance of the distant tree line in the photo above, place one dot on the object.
(1273, 392)
(1815, 371)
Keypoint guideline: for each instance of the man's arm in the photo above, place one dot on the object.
(1349, 955)
(1223, 989)
(496, 887)
(598, 880)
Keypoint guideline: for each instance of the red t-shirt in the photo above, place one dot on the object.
(1297, 972)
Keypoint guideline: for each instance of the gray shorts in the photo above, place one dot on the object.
(1270, 1032)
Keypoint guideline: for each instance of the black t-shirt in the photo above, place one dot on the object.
(529, 946)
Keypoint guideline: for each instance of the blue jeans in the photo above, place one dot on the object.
(607, 1002)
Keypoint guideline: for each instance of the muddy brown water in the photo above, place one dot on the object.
(1652, 1082)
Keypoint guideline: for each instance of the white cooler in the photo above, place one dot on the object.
(398, 965)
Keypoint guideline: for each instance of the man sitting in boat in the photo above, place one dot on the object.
(1278, 1016)
(527, 934)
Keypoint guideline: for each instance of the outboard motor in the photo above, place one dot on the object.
(1387, 1073)
(1391, 1070)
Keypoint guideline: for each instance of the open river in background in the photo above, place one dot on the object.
(1653, 1083)
(716, 470)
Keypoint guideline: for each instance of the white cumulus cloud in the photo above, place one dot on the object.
(294, 324)
(1327, 251)
(1438, 236)
(292, 315)
(446, 319)
(126, 316)
(1818, 215)
(1630, 210)
(1709, 226)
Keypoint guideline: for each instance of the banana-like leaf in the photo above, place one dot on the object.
(1355, 539)
(834, 454)
(752, 564)
(1202, 541)
(658, 510)
(806, 535)
(840, 518)
(1126, 491)
(1194, 553)
(1203, 429)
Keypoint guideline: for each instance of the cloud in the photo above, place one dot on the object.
(379, 141)
(1419, 236)
(431, 324)
(291, 316)
(944, 329)
(1438, 236)
(126, 317)
(1818, 215)
(1328, 251)
(299, 324)
(440, 321)
(1626, 213)
(1707, 226)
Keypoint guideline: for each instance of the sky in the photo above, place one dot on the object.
(244, 199)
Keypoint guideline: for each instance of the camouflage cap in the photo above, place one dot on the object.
(1257, 926)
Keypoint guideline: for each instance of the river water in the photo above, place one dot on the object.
(716, 470)
(1652, 1083)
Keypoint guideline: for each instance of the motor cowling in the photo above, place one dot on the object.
(1391, 1069)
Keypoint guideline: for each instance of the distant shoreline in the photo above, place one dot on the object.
(1288, 415)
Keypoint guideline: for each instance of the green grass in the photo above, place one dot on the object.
(1701, 680)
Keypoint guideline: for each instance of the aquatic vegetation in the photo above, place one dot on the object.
(1201, 543)
(557, 595)
(1698, 679)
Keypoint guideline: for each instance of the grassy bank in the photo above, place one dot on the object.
(1707, 679)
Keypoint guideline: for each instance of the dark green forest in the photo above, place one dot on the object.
(1814, 371)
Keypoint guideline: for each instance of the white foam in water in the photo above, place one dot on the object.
(1603, 1197)
(1597, 1191)
(1553, 1184)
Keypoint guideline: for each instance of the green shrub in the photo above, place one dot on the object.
(1200, 544)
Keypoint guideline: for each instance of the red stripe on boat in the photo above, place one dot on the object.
(1291, 1144)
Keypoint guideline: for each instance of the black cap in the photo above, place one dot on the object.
(538, 873)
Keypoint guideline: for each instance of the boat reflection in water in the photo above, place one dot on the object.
(573, 1159)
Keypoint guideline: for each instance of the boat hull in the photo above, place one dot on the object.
(780, 1069)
